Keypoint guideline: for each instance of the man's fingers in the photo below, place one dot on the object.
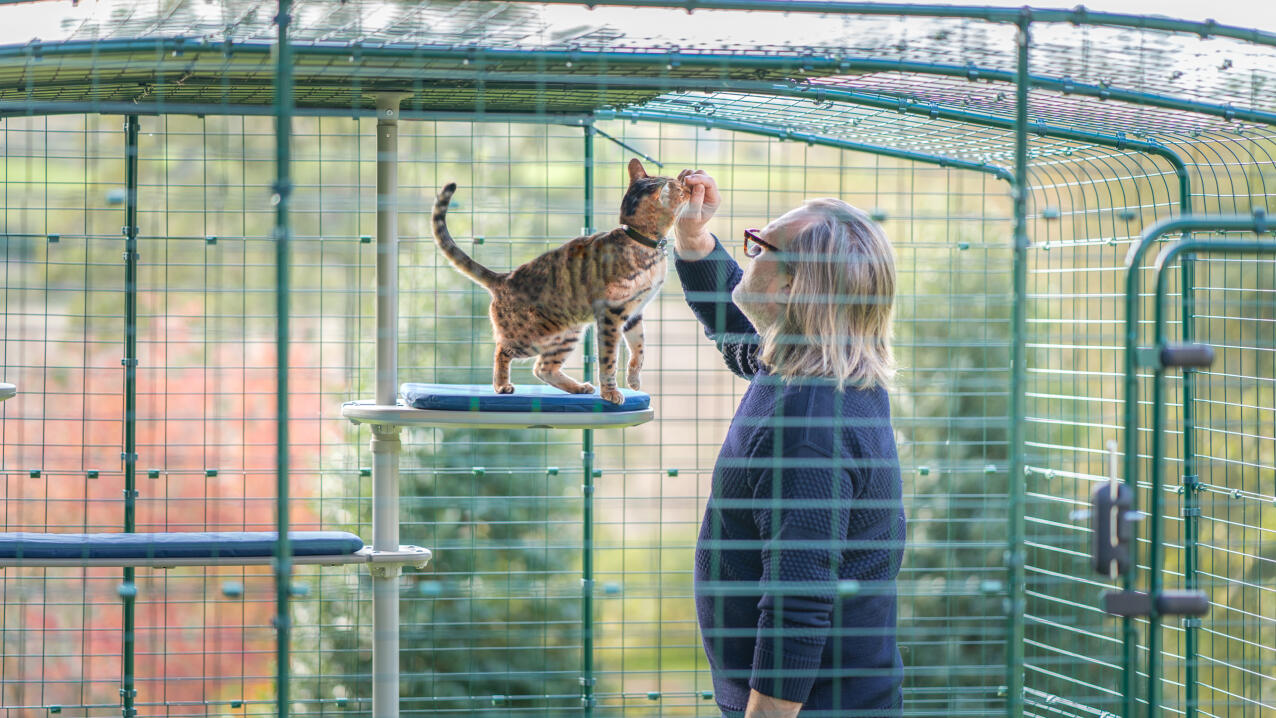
(697, 197)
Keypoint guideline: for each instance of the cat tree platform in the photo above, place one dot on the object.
(478, 406)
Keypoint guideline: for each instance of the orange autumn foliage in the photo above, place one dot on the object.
(206, 425)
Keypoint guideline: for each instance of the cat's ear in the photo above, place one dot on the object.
(636, 172)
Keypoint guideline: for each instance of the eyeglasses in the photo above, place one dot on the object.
(754, 244)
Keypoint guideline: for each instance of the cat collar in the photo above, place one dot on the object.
(642, 239)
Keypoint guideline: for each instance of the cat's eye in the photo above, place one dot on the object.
(754, 244)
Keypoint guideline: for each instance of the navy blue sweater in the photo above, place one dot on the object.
(803, 534)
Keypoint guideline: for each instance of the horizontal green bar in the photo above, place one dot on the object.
(1210, 246)
(664, 62)
(19, 109)
(785, 134)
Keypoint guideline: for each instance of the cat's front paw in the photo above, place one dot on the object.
(634, 380)
(503, 388)
(583, 388)
(612, 394)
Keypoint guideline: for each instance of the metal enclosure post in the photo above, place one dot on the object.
(282, 199)
(1191, 483)
(587, 488)
(1191, 497)
(385, 443)
(1014, 603)
(128, 590)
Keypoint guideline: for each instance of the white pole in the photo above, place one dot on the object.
(385, 439)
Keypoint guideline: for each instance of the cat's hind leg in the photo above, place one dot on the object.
(549, 365)
(501, 371)
(634, 340)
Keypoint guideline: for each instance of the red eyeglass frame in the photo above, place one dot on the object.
(753, 250)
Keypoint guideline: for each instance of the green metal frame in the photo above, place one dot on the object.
(1188, 248)
(657, 63)
(660, 64)
(587, 678)
(1256, 223)
(128, 589)
(812, 139)
(282, 199)
(1015, 559)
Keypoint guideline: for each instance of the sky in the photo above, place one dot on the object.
(22, 22)
(1260, 14)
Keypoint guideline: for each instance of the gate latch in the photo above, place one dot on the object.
(1111, 515)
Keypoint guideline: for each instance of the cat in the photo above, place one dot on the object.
(539, 308)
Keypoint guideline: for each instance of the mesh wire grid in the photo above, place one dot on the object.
(495, 626)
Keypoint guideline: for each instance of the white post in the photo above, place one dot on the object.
(385, 439)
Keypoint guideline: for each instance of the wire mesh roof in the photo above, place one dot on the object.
(460, 56)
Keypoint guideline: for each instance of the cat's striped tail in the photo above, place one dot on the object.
(455, 255)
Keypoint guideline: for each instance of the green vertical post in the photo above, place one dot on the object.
(587, 489)
(1129, 636)
(1015, 543)
(1191, 483)
(1191, 495)
(1156, 543)
(128, 591)
(282, 194)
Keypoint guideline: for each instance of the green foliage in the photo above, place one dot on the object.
(954, 346)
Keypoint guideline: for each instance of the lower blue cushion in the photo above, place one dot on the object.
(532, 398)
(229, 544)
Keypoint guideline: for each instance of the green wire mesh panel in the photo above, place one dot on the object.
(205, 387)
(1234, 438)
(1090, 205)
(1083, 233)
(499, 629)
(952, 342)
(911, 119)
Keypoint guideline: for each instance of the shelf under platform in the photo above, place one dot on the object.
(170, 550)
(478, 406)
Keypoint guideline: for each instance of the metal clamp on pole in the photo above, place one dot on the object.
(1164, 603)
(1187, 356)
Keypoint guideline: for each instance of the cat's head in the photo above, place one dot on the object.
(651, 203)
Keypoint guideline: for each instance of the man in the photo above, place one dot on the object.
(803, 534)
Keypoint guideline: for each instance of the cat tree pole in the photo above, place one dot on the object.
(385, 443)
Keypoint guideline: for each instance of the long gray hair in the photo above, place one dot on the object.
(837, 321)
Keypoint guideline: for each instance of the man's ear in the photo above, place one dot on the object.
(636, 171)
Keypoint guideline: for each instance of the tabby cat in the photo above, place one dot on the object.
(539, 309)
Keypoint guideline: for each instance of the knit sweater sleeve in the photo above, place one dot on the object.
(802, 511)
(707, 284)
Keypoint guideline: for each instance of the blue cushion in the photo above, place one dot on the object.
(528, 398)
(237, 544)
